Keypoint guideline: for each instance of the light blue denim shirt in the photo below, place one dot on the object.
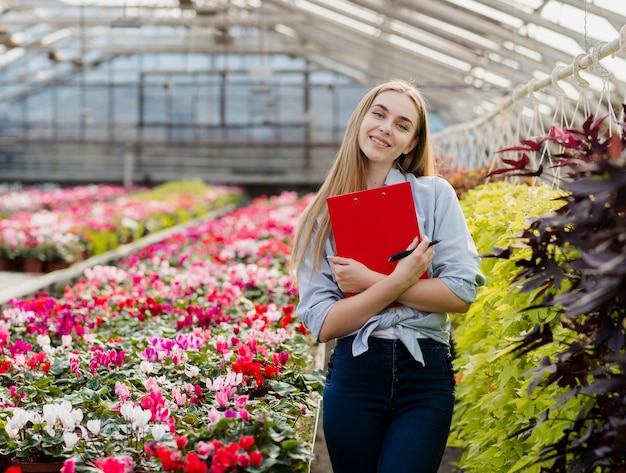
(456, 264)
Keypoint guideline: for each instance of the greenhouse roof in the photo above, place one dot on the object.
(467, 55)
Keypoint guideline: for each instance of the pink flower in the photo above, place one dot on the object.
(241, 402)
(178, 397)
(222, 397)
(114, 465)
(15, 394)
(122, 391)
(75, 366)
(68, 466)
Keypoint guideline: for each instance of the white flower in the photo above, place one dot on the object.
(94, 426)
(43, 340)
(70, 439)
(158, 431)
(66, 341)
(146, 367)
(192, 371)
(127, 411)
(69, 416)
(20, 418)
(142, 418)
(138, 417)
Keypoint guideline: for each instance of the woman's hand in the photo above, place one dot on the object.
(410, 268)
(352, 277)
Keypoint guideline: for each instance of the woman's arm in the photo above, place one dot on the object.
(455, 273)
(426, 295)
(350, 314)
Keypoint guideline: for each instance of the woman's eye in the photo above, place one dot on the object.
(403, 127)
(377, 114)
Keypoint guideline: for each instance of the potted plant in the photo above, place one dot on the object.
(41, 435)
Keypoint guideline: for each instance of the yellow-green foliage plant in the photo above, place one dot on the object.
(493, 405)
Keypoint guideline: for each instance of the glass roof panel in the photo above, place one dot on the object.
(475, 49)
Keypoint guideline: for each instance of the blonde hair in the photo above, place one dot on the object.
(347, 173)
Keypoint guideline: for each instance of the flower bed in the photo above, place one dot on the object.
(70, 233)
(32, 199)
(184, 357)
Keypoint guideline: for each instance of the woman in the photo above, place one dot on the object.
(387, 404)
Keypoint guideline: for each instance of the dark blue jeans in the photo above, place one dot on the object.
(383, 412)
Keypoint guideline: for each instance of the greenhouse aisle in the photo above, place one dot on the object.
(10, 279)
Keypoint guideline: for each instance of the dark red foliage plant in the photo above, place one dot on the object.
(577, 265)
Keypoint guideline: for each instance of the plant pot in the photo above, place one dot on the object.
(55, 265)
(5, 461)
(32, 265)
(44, 467)
(8, 264)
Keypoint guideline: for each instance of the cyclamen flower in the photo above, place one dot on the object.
(122, 391)
(246, 442)
(115, 465)
(158, 431)
(231, 379)
(256, 458)
(93, 425)
(5, 366)
(155, 402)
(13, 392)
(17, 422)
(68, 466)
(107, 359)
(5, 337)
(146, 367)
(19, 347)
(178, 397)
(137, 416)
(193, 464)
(75, 366)
(224, 394)
(192, 371)
(70, 439)
(64, 412)
(181, 441)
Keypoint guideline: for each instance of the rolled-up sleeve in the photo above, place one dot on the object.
(318, 291)
(456, 261)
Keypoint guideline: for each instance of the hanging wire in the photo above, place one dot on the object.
(485, 124)
(586, 36)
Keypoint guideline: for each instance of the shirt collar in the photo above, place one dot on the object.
(394, 177)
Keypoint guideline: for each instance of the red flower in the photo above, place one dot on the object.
(270, 371)
(181, 441)
(193, 464)
(256, 458)
(246, 442)
(5, 367)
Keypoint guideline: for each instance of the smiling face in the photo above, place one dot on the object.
(388, 129)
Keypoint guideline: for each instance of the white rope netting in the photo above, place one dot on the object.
(532, 108)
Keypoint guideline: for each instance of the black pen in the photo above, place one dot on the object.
(405, 253)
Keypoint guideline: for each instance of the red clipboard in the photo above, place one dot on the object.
(371, 225)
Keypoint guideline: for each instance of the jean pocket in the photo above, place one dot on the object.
(329, 368)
